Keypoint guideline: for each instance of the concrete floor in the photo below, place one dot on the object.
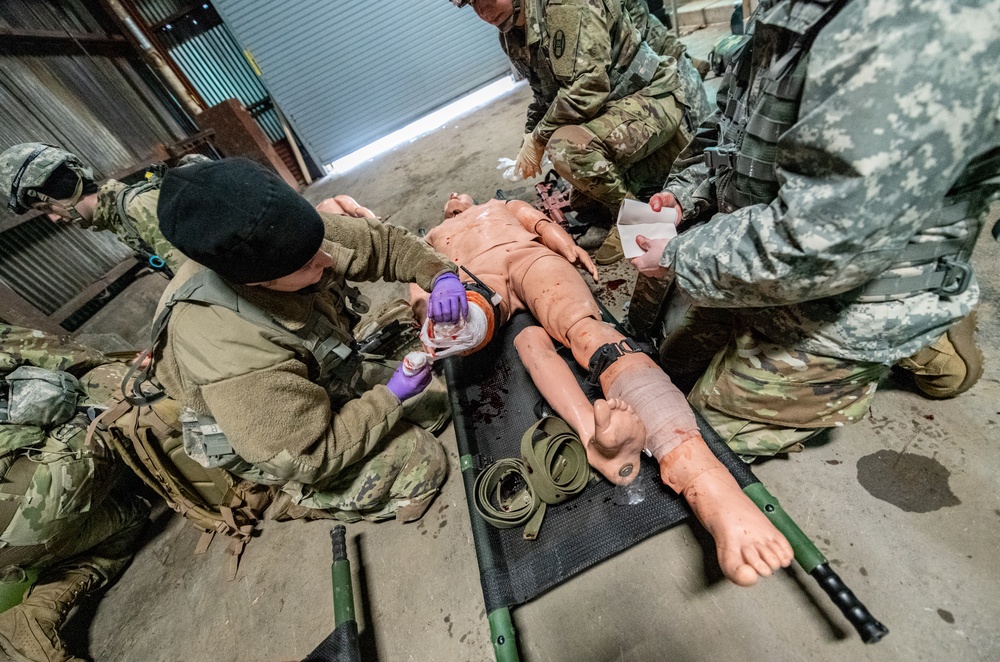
(905, 504)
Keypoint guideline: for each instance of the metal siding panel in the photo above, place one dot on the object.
(48, 264)
(350, 75)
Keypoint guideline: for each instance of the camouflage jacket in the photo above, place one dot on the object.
(141, 208)
(263, 391)
(572, 52)
(898, 102)
(663, 41)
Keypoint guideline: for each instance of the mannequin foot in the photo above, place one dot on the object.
(748, 545)
(619, 437)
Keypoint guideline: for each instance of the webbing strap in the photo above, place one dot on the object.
(15, 484)
(553, 467)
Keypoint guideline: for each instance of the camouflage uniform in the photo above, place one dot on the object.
(665, 43)
(886, 155)
(140, 231)
(141, 208)
(73, 522)
(351, 448)
(610, 125)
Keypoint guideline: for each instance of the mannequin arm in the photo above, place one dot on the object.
(552, 235)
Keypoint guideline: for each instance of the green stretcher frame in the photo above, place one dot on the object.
(502, 632)
(807, 555)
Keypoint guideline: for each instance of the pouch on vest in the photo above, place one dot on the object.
(204, 441)
(41, 397)
(149, 440)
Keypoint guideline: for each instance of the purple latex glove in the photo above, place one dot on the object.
(448, 303)
(405, 386)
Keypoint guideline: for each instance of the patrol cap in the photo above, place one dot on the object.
(25, 168)
(239, 219)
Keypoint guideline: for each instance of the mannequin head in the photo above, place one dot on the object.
(457, 203)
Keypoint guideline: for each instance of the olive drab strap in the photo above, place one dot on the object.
(154, 179)
(552, 468)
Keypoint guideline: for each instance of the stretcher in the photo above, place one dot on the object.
(494, 402)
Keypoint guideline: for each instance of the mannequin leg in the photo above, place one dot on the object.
(747, 544)
(611, 432)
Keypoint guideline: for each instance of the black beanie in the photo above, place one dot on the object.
(238, 219)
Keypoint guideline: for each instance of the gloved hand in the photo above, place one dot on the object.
(405, 386)
(448, 303)
(529, 159)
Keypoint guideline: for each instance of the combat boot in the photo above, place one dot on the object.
(611, 250)
(951, 365)
(29, 632)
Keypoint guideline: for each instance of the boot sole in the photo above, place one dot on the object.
(967, 349)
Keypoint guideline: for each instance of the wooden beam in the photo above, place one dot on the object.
(18, 311)
(12, 39)
(92, 290)
(174, 17)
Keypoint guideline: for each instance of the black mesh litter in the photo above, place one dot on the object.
(340, 646)
(494, 402)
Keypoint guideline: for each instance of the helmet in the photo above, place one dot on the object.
(25, 168)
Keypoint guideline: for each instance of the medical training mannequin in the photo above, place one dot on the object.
(529, 261)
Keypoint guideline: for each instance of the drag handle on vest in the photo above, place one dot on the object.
(346, 626)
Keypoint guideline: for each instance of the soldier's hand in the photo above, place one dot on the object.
(529, 159)
(666, 199)
(648, 264)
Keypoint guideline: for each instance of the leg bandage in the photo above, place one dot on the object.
(666, 414)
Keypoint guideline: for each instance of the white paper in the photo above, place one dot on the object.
(638, 218)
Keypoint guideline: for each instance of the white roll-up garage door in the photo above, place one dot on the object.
(347, 72)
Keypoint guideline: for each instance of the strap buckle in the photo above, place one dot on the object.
(956, 278)
(722, 156)
(608, 354)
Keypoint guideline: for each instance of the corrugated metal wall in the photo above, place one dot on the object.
(210, 57)
(26, 263)
(348, 72)
(108, 110)
(69, 78)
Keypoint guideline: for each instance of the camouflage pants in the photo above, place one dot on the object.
(402, 475)
(761, 397)
(630, 146)
(73, 514)
(398, 480)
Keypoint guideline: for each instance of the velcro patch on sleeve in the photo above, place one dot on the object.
(563, 22)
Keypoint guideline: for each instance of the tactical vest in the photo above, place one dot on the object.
(331, 355)
(625, 77)
(744, 160)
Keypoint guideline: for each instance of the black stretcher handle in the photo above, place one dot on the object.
(812, 561)
(870, 629)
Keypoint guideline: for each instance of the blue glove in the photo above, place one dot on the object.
(405, 386)
(448, 303)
